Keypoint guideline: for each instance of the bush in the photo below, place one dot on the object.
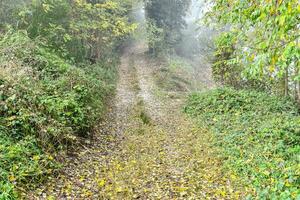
(259, 136)
(22, 163)
(223, 70)
(227, 71)
(46, 103)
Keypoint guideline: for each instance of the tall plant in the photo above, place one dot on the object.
(78, 29)
(266, 39)
(168, 16)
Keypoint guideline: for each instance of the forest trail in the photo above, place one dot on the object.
(145, 149)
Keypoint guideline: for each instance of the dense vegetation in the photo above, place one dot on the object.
(260, 45)
(257, 129)
(259, 136)
(57, 66)
(165, 19)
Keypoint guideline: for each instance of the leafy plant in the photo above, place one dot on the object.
(266, 41)
(47, 102)
(165, 21)
(258, 135)
(155, 37)
(78, 30)
(225, 71)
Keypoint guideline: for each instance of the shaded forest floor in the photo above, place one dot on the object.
(146, 148)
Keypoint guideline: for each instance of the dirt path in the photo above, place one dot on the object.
(146, 149)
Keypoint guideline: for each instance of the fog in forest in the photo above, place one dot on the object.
(196, 43)
(197, 36)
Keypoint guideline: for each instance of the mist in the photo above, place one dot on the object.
(197, 40)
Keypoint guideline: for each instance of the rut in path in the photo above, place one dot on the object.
(146, 149)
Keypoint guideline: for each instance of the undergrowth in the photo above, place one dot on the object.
(46, 104)
(172, 75)
(259, 135)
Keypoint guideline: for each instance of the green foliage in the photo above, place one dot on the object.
(225, 71)
(265, 37)
(9, 12)
(259, 136)
(168, 19)
(57, 67)
(39, 88)
(78, 30)
(155, 37)
(22, 162)
(44, 102)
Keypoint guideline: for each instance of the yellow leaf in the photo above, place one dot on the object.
(37, 157)
(119, 189)
(12, 118)
(181, 189)
(46, 7)
(267, 173)
(233, 177)
(12, 178)
(222, 193)
(50, 157)
(290, 9)
(272, 68)
(252, 57)
(51, 198)
(101, 183)
(287, 183)
(281, 20)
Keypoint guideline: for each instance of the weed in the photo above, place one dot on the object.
(46, 103)
(145, 117)
(259, 137)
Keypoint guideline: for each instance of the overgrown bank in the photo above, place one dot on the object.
(55, 77)
(46, 103)
(259, 136)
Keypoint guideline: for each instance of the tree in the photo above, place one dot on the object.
(167, 15)
(9, 10)
(78, 29)
(266, 40)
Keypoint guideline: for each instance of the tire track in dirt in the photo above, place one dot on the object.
(168, 158)
(145, 149)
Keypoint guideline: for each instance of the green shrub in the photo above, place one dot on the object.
(21, 163)
(259, 135)
(226, 69)
(46, 103)
(46, 96)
